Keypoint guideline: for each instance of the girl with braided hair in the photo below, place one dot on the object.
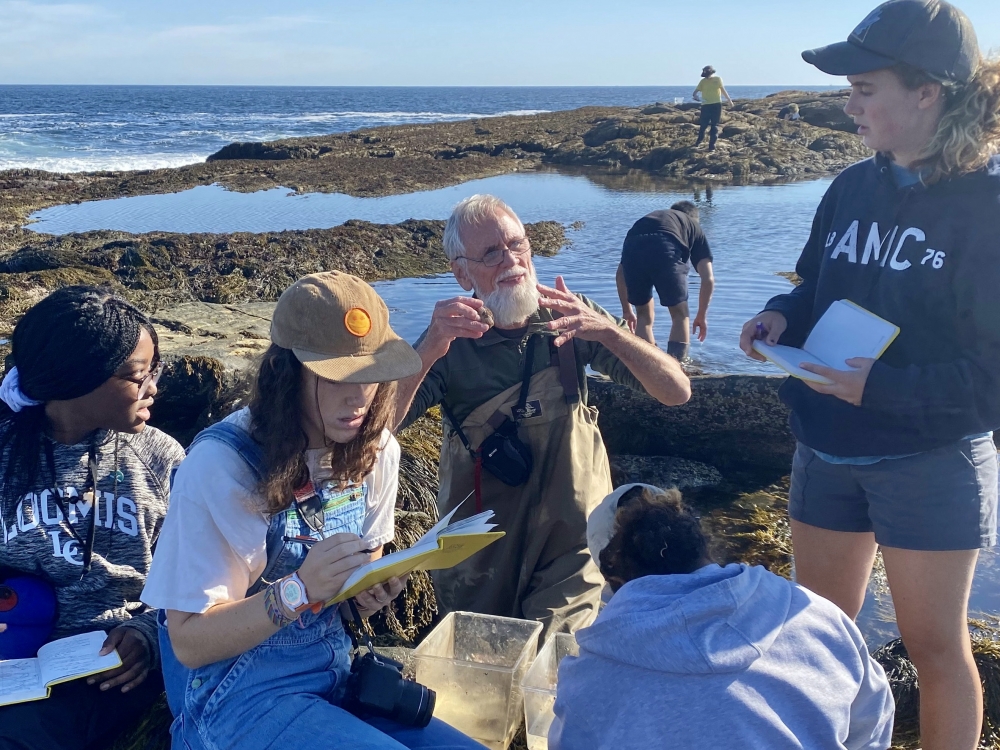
(83, 494)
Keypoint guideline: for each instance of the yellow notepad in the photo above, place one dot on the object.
(845, 330)
(23, 680)
(444, 546)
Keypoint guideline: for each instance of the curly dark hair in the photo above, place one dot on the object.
(655, 535)
(276, 424)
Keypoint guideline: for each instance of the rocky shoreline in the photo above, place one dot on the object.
(755, 146)
(160, 270)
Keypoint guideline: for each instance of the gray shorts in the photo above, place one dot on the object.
(944, 499)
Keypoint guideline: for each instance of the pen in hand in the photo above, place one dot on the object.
(308, 541)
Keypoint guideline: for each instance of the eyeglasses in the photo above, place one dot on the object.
(150, 379)
(494, 256)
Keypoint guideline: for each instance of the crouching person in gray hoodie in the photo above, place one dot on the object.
(688, 654)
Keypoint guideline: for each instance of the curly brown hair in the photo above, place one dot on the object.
(276, 424)
(655, 535)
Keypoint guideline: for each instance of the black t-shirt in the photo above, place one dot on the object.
(678, 226)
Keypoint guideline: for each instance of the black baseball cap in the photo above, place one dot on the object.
(931, 35)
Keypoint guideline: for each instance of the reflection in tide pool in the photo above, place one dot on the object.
(755, 233)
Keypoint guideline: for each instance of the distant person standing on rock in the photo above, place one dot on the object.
(659, 251)
(710, 92)
(898, 452)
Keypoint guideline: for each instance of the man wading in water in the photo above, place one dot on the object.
(543, 338)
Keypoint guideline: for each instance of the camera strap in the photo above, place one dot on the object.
(498, 421)
(355, 628)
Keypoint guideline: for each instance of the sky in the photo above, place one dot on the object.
(429, 42)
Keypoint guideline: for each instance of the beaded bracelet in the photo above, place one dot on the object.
(274, 609)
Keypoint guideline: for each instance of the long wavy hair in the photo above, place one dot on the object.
(968, 134)
(276, 424)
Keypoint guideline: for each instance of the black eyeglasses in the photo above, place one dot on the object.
(150, 379)
(494, 256)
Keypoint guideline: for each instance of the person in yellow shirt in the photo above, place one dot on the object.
(710, 92)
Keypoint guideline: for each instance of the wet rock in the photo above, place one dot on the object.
(160, 270)
(663, 471)
(735, 423)
(210, 353)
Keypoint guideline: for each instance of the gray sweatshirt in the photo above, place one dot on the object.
(732, 657)
(34, 536)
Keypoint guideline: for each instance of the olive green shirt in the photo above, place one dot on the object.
(475, 370)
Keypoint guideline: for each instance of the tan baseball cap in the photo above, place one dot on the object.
(338, 327)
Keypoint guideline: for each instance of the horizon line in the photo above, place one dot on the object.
(419, 86)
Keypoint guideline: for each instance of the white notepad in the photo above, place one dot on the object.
(846, 330)
(63, 660)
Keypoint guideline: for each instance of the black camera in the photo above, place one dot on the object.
(377, 686)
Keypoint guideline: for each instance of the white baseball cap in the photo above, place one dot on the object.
(601, 523)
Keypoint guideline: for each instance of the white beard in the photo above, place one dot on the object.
(512, 306)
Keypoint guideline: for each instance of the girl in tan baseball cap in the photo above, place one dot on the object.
(271, 512)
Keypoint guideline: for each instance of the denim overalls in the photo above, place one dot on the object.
(287, 689)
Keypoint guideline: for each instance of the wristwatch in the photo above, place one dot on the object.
(292, 593)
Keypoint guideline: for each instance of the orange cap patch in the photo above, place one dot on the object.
(358, 322)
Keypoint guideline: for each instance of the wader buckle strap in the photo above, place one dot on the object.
(567, 372)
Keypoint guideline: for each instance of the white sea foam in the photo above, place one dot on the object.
(99, 163)
(195, 135)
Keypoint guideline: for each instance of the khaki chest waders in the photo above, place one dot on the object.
(541, 570)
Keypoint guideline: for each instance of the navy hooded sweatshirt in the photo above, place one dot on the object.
(926, 258)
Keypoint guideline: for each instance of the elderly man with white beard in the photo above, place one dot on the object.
(518, 433)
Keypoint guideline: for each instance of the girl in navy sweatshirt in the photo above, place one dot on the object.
(899, 452)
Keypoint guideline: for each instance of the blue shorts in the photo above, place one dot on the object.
(944, 499)
(655, 260)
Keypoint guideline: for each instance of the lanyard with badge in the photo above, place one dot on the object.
(90, 487)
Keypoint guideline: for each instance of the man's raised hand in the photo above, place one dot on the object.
(452, 319)
(578, 319)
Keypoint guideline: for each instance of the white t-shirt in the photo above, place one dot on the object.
(212, 546)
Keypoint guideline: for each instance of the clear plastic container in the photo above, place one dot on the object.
(539, 687)
(475, 664)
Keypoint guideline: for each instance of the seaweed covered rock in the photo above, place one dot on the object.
(906, 689)
(735, 423)
(413, 612)
(756, 147)
(663, 471)
(161, 270)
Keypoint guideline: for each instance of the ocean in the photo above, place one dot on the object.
(87, 128)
